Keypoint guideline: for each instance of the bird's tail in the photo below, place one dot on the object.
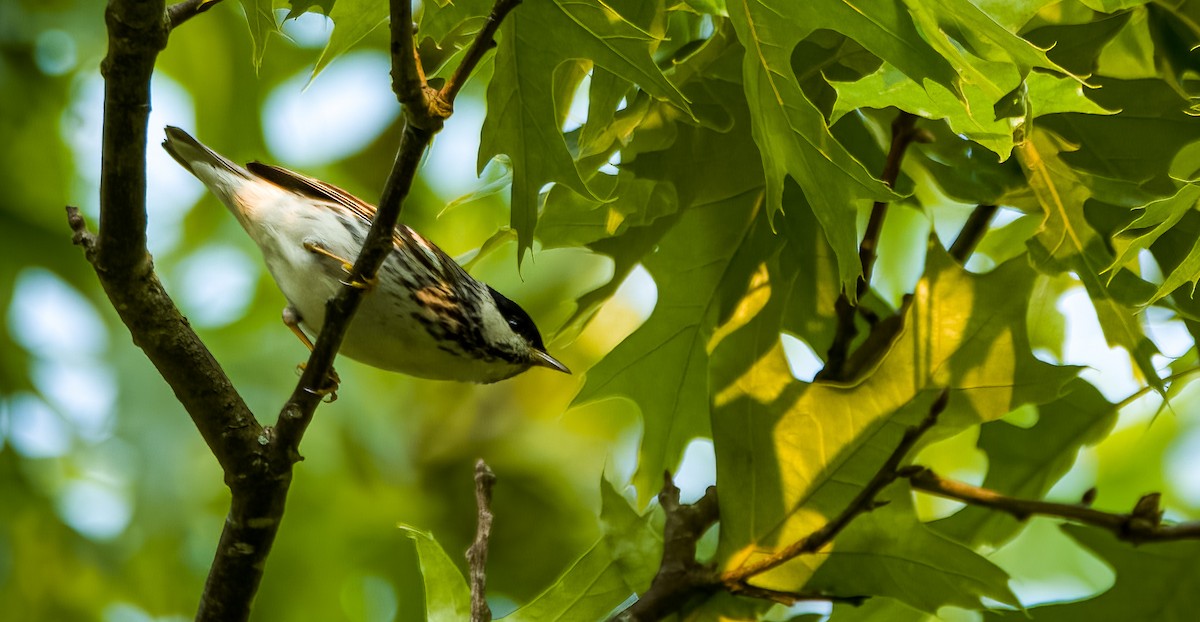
(217, 172)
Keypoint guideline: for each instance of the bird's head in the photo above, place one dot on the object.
(515, 334)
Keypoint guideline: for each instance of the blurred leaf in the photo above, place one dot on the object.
(1154, 582)
(260, 14)
(621, 563)
(352, 20)
(447, 598)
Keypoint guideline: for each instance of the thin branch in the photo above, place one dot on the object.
(791, 598)
(972, 232)
(904, 132)
(181, 12)
(477, 555)
(680, 577)
(484, 41)
(1142, 524)
(735, 580)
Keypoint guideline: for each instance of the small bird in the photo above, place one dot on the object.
(424, 316)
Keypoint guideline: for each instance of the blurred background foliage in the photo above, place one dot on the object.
(110, 503)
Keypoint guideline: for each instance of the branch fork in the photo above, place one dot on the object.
(257, 461)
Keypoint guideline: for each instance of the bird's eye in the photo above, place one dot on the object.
(512, 323)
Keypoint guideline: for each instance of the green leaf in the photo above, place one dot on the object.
(1159, 217)
(352, 20)
(1068, 240)
(1077, 47)
(792, 134)
(521, 121)
(701, 267)
(620, 564)
(1150, 111)
(973, 29)
(888, 552)
(447, 598)
(1154, 582)
(439, 19)
(1027, 462)
(260, 15)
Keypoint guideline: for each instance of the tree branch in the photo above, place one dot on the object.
(680, 576)
(181, 12)
(736, 580)
(904, 132)
(484, 41)
(972, 232)
(477, 555)
(137, 32)
(1142, 524)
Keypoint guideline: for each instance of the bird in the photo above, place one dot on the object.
(424, 315)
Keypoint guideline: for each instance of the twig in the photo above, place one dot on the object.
(477, 555)
(181, 12)
(680, 577)
(1143, 524)
(484, 41)
(904, 132)
(972, 232)
(735, 580)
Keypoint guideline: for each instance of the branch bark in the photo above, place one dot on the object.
(680, 577)
(257, 461)
(1142, 524)
(137, 32)
(477, 555)
(972, 232)
(904, 132)
(181, 12)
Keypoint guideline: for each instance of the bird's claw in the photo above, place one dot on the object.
(329, 390)
(364, 284)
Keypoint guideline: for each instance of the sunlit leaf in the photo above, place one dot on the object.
(798, 452)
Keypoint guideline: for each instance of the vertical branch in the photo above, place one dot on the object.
(972, 232)
(904, 132)
(477, 555)
(137, 32)
(680, 577)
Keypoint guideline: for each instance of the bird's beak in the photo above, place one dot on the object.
(541, 359)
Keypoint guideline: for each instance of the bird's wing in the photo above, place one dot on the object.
(434, 258)
(315, 188)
